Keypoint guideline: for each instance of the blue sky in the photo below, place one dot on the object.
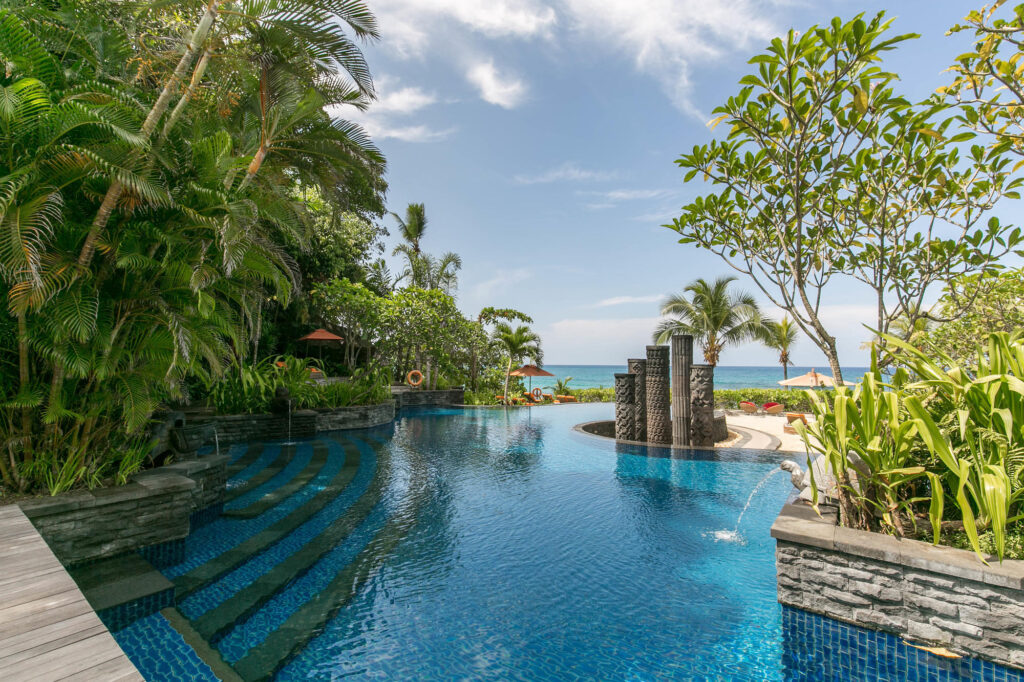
(542, 135)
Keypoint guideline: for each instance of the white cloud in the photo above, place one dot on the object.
(629, 194)
(503, 90)
(568, 171)
(665, 38)
(501, 280)
(383, 118)
(623, 300)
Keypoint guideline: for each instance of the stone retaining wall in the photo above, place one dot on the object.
(248, 428)
(153, 509)
(420, 398)
(932, 595)
(358, 417)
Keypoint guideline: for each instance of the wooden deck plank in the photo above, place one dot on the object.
(48, 631)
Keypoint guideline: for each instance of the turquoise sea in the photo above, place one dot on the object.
(593, 376)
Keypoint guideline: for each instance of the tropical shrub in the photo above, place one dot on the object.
(942, 441)
(794, 400)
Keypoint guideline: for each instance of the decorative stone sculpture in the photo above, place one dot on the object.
(702, 405)
(682, 360)
(625, 407)
(280, 403)
(659, 413)
(638, 368)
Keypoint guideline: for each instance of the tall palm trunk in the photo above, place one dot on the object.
(199, 36)
(507, 372)
(197, 77)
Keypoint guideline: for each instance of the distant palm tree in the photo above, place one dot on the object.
(714, 317)
(519, 343)
(413, 226)
(781, 336)
(427, 272)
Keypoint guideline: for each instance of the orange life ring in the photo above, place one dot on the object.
(537, 393)
(409, 378)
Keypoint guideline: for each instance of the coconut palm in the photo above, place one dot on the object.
(714, 317)
(520, 343)
(781, 336)
(413, 226)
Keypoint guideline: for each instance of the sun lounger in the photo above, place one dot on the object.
(793, 417)
(567, 398)
(748, 407)
(548, 396)
(773, 408)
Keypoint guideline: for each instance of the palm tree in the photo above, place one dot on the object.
(414, 225)
(781, 336)
(712, 315)
(519, 343)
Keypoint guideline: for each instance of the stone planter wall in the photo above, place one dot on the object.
(154, 509)
(931, 595)
(358, 417)
(246, 428)
(418, 398)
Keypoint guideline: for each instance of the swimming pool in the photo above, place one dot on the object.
(494, 544)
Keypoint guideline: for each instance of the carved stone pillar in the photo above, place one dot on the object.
(625, 407)
(702, 405)
(659, 409)
(638, 368)
(682, 360)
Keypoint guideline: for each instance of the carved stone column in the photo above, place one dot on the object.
(702, 405)
(625, 407)
(638, 368)
(659, 410)
(682, 360)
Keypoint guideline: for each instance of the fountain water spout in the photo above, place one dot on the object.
(734, 534)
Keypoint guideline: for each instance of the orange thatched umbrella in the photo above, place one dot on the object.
(530, 371)
(812, 379)
(321, 337)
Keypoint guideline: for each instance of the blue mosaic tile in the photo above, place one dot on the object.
(123, 615)
(165, 554)
(203, 517)
(818, 648)
(160, 653)
(300, 458)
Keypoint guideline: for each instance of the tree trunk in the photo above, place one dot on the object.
(197, 77)
(23, 377)
(505, 394)
(199, 36)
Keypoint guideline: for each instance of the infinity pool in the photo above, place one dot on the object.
(493, 544)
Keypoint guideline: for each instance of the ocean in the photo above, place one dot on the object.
(593, 376)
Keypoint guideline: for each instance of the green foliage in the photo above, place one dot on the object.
(713, 315)
(594, 395)
(795, 400)
(972, 308)
(827, 171)
(958, 428)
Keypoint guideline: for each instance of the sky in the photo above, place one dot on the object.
(542, 136)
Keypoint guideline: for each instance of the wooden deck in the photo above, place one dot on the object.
(48, 631)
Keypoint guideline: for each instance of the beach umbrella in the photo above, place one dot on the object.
(530, 371)
(321, 337)
(812, 379)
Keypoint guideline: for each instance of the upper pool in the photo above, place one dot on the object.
(494, 544)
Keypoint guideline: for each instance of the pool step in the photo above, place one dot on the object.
(207, 654)
(215, 623)
(264, 660)
(123, 589)
(203, 575)
(272, 499)
(284, 456)
(251, 455)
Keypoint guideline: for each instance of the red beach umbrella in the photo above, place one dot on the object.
(530, 371)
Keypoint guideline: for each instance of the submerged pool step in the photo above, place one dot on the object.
(273, 469)
(251, 455)
(203, 575)
(264, 660)
(213, 624)
(272, 499)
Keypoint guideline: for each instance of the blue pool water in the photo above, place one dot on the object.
(593, 376)
(489, 544)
